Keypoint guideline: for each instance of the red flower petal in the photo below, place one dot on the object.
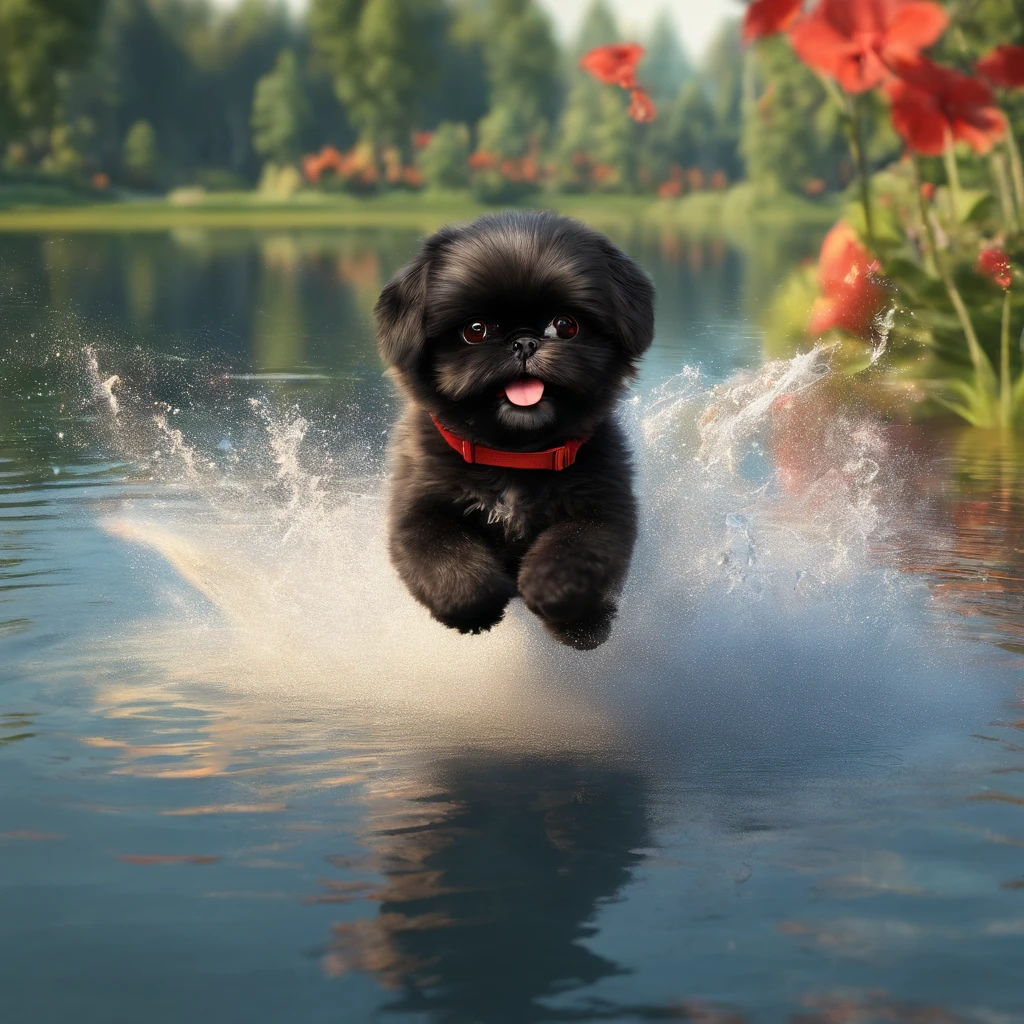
(857, 41)
(916, 26)
(766, 17)
(916, 119)
(641, 107)
(1003, 66)
(852, 296)
(614, 64)
(930, 102)
(986, 127)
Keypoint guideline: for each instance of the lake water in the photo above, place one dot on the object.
(243, 777)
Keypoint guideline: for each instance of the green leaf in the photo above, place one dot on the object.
(979, 206)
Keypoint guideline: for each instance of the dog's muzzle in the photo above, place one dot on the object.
(523, 344)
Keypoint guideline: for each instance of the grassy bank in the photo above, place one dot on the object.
(732, 213)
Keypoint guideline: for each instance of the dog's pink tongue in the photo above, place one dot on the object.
(525, 392)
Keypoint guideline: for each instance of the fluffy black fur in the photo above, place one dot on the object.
(467, 538)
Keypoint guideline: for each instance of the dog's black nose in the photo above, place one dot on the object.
(524, 347)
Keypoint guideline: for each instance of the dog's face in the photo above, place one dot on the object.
(518, 330)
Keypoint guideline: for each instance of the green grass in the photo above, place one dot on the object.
(41, 208)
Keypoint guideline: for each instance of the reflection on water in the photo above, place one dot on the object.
(972, 549)
(492, 876)
(243, 777)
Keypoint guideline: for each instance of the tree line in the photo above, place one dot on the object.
(372, 94)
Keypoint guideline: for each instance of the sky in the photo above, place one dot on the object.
(696, 20)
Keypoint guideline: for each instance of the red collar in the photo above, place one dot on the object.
(553, 458)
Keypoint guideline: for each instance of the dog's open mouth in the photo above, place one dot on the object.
(528, 391)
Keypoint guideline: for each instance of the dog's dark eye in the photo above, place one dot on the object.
(562, 327)
(474, 331)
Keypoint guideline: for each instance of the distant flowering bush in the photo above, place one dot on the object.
(361, 169)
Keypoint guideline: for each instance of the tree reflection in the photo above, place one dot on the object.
(969, 546)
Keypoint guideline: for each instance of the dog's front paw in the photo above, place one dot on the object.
(585, 634)
(473, 619)
(563, 590)
(474, 609)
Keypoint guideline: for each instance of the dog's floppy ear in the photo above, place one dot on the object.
(401, 307)
(631, 294)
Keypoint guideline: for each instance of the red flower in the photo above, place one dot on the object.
(931, 103)
(482, 160)
(766, 17)
(927, 191)
(856, 42)
(421, 140)
(852, 295)
(641, 106)
(1003, 66)
(614, 64)
(995, 265)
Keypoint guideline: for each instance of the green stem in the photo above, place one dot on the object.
(1003, 185)
(1005, 384)
(853, 122)
(1016, 169)
(931, 260)
(952, 176)
(983, 372)
(860, 156)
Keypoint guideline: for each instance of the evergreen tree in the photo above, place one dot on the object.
(598, 28)
(521, 58)
(665, 66)
(685, 135)
(462, 92)
(140, 156)
(381, 55)
(722, 72)
(789, 133)
(596, 136)
(279, 111)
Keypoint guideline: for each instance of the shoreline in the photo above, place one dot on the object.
(705, 213)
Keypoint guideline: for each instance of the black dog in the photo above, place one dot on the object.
(512, 338)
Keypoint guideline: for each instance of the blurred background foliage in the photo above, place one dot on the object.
(154, 94)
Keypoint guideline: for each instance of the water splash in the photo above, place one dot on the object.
(755, 492)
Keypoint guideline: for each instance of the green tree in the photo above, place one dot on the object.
(791, 133)
(596, 139)
(140, 157)
(443, 160)
(521, 58)
(665, 66)
(40, 41)
(684, 134)
(380, 54)
(462, 91)
(279, 111)
(721, 74)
